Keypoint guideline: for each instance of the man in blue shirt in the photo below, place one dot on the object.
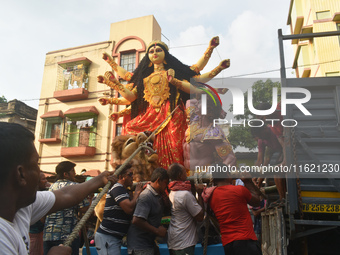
(59, 225)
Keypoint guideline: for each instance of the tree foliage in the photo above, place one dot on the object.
(262, 93)
(241, 136)
(3, 99)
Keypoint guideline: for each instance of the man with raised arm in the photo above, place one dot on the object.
(118, 211)
(21, 204)
(229, 204)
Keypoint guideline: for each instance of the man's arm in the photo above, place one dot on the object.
(200, 216)
(255, 192)
(258, 212)
(128, 205)
(143, 224)
(259, 160)
(85, 204)
(73, 194)
(60, 250)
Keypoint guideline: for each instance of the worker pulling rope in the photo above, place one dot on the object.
(81, 223)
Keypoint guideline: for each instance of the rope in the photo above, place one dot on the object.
(206, 235)
(198, 178)
(81, 223)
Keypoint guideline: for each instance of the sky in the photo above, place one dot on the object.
(247, 29)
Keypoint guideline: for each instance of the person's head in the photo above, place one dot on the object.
(159, 179)
(19, 169)
(177, 172)
(125, 176)
(221, 176)
(43, 183)
(65, 170)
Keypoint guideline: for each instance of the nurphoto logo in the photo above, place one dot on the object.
(238, 108)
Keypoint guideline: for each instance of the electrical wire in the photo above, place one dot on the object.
(232, 76)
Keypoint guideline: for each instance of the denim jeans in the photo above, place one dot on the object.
(107, 244)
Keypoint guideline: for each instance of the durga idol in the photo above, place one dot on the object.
(159, 84)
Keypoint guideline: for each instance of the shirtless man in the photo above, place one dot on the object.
(205, 144)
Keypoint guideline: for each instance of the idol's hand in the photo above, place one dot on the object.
(214, 42)
(170, 74)
(114, 116)
(107, 57)
(110, 61)
(103, 101)
(224, 64)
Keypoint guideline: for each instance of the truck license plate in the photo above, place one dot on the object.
(321, 208)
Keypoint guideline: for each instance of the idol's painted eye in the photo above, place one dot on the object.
(159, 50)
(151, 51)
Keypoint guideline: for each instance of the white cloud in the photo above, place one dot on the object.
(252, 43)
(30, 29)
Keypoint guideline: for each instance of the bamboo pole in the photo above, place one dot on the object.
(81, 223)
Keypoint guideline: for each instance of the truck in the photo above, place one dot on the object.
(309, 222)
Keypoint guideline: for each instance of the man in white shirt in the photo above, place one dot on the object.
(21, 204)
(185, 212)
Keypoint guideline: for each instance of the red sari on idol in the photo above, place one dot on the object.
(169, 138)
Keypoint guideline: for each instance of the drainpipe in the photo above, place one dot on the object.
(41, 144)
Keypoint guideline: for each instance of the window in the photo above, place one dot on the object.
(128, 61)
(73, 74)
(323, 15)
(80, 131)
(51, 127)
(72, 80)
(72, 77)
(75, 77)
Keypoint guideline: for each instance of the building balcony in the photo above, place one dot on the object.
(297, 28)
(71, 94)
(336, 16)
(306, 72)
(307, 29)
(84, 151)
(72, 80)
(50, 140)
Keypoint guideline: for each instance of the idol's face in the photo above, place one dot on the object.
(156, 54)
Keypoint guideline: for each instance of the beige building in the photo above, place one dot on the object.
(319, 56)
(71, 124)
(18, 112)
